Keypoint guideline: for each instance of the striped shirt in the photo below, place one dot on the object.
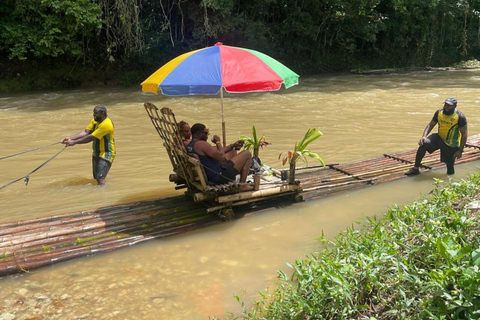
(449, 126)
(104, 144)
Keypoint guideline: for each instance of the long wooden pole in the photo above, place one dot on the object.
(224, 133)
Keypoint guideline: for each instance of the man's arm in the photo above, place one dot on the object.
(81, 134)
(236, 145)
(426, 131)
(217, 153)
(81, 140)
(463, 142)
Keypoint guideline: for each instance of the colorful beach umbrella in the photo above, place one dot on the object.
(206, 71)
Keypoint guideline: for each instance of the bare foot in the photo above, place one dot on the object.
(246, 187)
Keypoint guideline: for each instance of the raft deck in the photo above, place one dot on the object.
(30, 244)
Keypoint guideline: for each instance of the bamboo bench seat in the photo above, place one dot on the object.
(188, 169)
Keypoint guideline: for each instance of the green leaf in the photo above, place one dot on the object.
(441, 249)
(476, 257)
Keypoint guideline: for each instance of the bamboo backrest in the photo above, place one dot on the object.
(185, 165)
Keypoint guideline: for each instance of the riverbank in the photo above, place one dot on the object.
(50, 74)
(462, 65)
(418, 262)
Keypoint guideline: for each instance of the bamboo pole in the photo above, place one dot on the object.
(326, 167)
(224, 133)
(256, 194)
(138, 228)
(338, 185)
(15, 265)
(125, 216)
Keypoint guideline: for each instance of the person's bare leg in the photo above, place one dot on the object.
(230, 154)
(242, 163)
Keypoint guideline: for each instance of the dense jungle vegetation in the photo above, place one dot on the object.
(66, 43)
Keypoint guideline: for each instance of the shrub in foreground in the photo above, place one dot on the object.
(419, 262)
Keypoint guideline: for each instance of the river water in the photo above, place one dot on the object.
(196, 275)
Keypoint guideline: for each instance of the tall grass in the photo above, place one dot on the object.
(418, 262)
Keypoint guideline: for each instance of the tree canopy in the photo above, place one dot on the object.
(308, 35)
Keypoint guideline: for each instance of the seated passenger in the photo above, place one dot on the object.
(184, 130)
(229, 154)
(218, 168)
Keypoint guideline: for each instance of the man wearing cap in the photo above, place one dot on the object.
(100, 131)
(450, 139)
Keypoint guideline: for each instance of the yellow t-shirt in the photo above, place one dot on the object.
(104, 144)
(449, 126)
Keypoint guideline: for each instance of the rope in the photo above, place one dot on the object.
(27, 177)
(17, 154)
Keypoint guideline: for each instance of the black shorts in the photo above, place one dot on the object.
(434, 142)
(229, 173)
(100, 167)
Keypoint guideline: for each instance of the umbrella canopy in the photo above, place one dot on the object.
(206, 71)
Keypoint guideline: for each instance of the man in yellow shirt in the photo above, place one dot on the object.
(100, 131)
(450, 139)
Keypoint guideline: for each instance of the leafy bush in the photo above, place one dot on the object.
(47, 28)
(419, 262)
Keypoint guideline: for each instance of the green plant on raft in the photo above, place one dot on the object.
(300, 152)
(255, 142)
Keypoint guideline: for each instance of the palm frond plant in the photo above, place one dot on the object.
(254, 142)
(300, 152)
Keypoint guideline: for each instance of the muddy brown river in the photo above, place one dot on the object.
(196, 275)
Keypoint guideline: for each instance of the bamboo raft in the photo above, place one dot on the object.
(30, 244)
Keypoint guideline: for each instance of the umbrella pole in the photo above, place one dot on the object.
(224, 134)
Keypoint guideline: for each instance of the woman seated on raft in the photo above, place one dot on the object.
(184, 130)
(218, 167)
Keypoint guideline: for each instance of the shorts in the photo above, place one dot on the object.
(434, 142)
(100, 167)
(229, 173)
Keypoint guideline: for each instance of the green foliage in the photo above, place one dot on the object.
(300, 152)
(121, 28)
(309, 36)
(419, 262)
(255, 142)
(132, 78)
(46, 28)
